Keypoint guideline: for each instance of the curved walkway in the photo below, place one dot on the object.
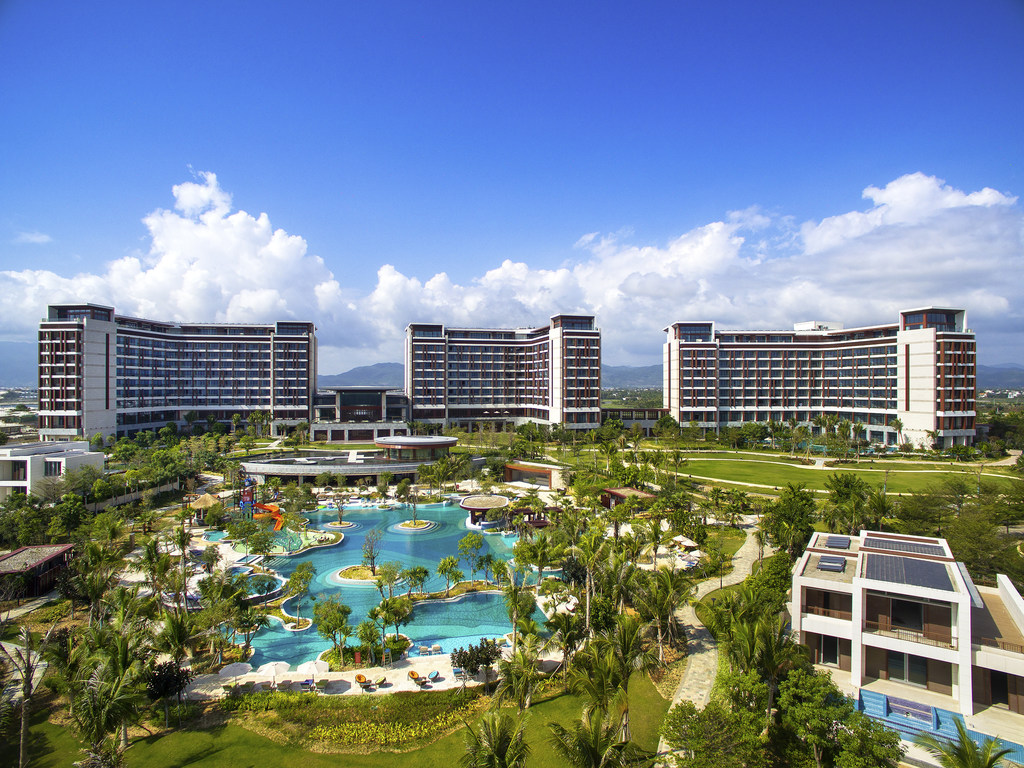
(701, 648)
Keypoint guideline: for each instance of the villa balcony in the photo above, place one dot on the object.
(936, 639)
(828, 613)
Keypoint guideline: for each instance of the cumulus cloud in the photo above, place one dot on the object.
(918, 242)
(32, 238)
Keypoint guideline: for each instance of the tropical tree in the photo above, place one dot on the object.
(499, 742)
(448, 569)
(625, 648)
(595, 741)
(298, 584)
(26, 658)
(518, 676)
(964, 752)
(568, 631)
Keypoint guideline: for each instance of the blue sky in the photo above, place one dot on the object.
(369, 165)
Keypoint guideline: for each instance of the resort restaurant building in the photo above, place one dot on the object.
(469, 377)
(919, 370)
(100, 372)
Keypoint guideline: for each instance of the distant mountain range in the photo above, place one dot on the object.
(380, 374)
(1005, 376)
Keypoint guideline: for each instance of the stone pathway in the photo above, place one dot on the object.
(702, 649)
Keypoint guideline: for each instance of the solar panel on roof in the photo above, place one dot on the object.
(910, 547)
(832, 563)
(838, 542)
(908, 570)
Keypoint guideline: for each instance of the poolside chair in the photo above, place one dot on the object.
(363, 683)
(417, 678)
(380, 681)
(424, 650)
(458, 673)
(436, 649)
(433, 676)
(308, 685)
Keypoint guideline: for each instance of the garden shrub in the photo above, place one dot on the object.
(384, 720)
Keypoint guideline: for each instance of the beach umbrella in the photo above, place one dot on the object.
(274, 668)
(235, 669)
(313, 668)
(696, 554)
(684, 542)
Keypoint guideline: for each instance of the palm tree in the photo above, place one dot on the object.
(590, 549)
(664, 591)
(964, 752)
(595, 742)
(518, 675)
(498, 744)
(597, 679)
(518, 602)
(897, 424)
(624, 646)
(567, 632)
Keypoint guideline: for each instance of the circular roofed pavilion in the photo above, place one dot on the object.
(415, 447)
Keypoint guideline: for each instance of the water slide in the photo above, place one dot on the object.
(271, 510)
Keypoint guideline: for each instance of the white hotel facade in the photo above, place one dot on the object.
(465, 376)
(919, 370)
(104, 373)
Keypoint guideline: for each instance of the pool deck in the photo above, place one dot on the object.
(210, 687)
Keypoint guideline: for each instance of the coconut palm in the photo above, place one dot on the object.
(498, 744)
(518, 676)
(567, 633)
(590, 550)
(624, 646)
(595, 742)
(964, 752)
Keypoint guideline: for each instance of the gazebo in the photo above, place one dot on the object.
(478, 506)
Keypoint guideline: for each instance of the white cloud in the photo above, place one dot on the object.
(920, 242)
(32, 238)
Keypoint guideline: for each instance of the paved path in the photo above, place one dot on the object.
(701, 648)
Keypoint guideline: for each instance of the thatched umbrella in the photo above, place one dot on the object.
(205, 501)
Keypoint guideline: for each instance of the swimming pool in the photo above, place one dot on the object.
(450, 624)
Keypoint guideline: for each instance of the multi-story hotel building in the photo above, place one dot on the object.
(104, 373)
(464, 376)
(919, 370)
(905, 630)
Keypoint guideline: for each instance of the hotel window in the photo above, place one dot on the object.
(51, 469)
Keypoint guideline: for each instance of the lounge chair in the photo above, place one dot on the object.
(424, 650)
(458, 673)
(363, 683)
(433, 676)
(308, 685)
(417, 678)
(380, 681)
(436, 649)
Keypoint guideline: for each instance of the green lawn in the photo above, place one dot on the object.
(903, 478)
(232, 746)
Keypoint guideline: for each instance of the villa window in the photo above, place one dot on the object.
(907, 668)
(829, 650)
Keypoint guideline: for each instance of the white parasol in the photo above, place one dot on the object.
(313, 668)
(274, 668)
(235, 669)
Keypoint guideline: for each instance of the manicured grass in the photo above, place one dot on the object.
(231, 746)
(731, 538)
(902, 478)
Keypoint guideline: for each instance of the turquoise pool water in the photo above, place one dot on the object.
(450, 624)
(214, 535)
